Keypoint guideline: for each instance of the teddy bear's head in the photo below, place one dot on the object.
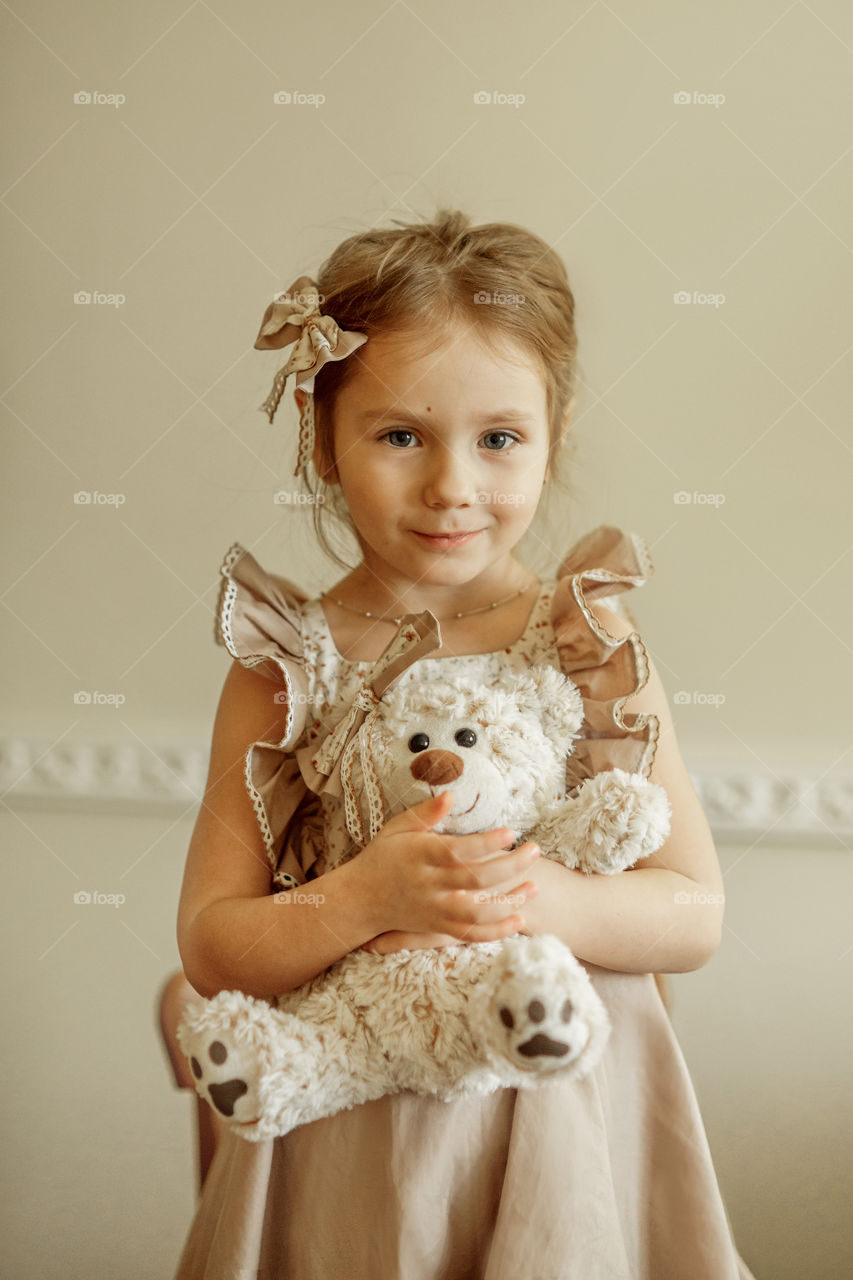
(500, 747)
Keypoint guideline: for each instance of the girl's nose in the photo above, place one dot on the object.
(450, 482)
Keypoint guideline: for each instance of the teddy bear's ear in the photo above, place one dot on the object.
(555, 700)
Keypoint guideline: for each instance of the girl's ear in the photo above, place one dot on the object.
(323, 464)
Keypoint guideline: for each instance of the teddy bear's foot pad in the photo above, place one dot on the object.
(567, 1038)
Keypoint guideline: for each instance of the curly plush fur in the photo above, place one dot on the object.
(455, 1020)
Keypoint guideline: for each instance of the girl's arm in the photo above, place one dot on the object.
(665, 914)
(234, 935)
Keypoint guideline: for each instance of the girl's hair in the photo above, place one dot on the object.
(501, 278)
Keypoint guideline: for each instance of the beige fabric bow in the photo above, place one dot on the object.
(417, 637)
(295, 316)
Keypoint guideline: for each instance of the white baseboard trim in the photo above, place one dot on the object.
(742, 804)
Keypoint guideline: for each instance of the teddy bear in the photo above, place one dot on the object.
(447, 1021)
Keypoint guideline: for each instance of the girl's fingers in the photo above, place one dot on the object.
(480, 908)
(490, 932)
(482, 844)
(497, 870)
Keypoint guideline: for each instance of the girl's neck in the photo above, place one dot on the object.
(361, 639)
(384, 597)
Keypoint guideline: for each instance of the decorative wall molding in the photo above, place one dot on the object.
(123, 776)
(128, 777)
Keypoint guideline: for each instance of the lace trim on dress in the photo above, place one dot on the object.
(258, 620)
(607, 669)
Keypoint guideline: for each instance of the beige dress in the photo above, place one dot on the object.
(607, 1178)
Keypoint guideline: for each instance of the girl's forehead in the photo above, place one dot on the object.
(392, 356)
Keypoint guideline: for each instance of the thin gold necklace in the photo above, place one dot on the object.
(380, 617)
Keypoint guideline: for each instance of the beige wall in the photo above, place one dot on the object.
(196, 198)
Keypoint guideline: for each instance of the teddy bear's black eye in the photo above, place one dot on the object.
(466, 737)
(418, 742)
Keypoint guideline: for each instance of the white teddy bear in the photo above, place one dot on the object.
(455, 1020)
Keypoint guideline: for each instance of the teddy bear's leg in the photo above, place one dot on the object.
(616, 819)
(537, 1011)
(266, 1071)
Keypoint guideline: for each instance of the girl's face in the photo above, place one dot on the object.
(441, 457)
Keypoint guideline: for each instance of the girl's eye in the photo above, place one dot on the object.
(498, 441)
(393, 438)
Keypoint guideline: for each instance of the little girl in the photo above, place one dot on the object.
(435, 366)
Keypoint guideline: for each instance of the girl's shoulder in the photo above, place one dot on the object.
(599, 647)
(258, 620)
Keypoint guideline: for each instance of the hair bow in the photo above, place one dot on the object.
(295, 316)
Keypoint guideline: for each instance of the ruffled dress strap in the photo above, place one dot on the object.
(258, 620)
(607, 670)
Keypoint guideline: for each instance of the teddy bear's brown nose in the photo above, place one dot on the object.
(436, 767)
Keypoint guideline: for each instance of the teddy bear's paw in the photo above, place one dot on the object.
(226, 1079)
(542, 1015)
(541, 1034)
(616, 819)
(226, 1040)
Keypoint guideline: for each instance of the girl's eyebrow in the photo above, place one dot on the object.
(484, 419)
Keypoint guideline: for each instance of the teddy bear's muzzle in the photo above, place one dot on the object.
(437, 768)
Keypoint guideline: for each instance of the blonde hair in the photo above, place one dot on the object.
(504, 280)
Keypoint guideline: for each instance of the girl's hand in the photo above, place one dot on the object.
(412, 880)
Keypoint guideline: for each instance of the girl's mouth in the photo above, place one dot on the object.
(445, 541)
